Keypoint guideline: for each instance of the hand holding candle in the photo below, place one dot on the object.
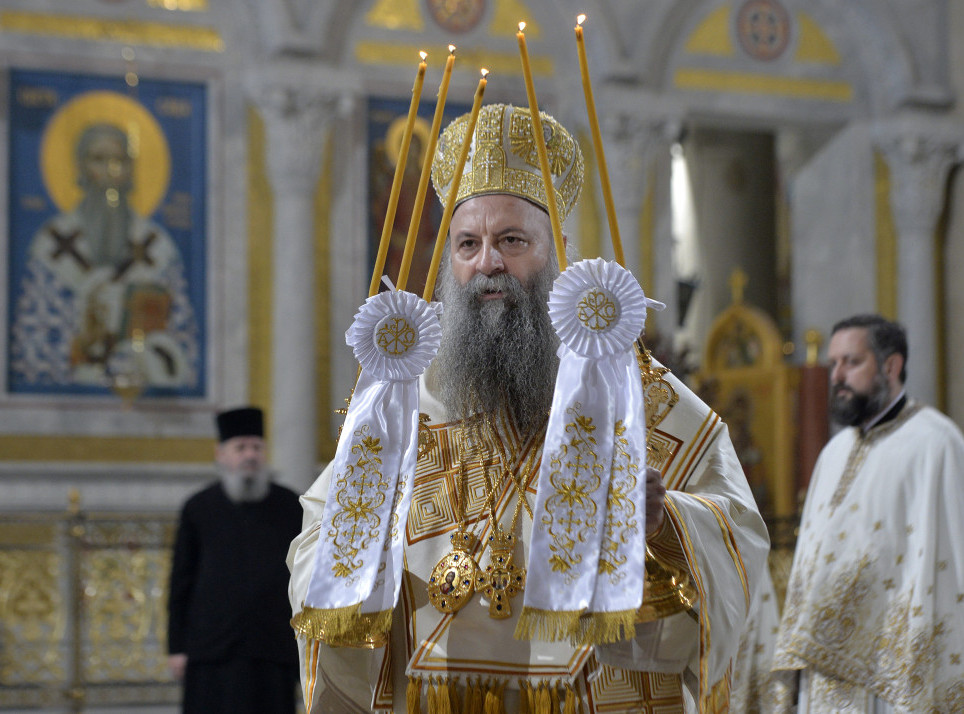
(541, 149)
(426, 172)
(389, 224)
(454, 190)
(598, 145)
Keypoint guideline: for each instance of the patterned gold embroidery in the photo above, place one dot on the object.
(492, 169)
(621, 523)
(575, 475)
(361, 490)
(846, 631)
(559, 147)
(658, 394)
(861, 448)
(395, 335)
(597, 309)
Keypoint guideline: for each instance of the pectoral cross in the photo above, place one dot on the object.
(501, 580)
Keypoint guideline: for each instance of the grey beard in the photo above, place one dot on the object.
(860, 408)
(245, 486)
(500, 353)
(106, 228)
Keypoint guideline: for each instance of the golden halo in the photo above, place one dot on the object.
(146, 140)
(393, 138)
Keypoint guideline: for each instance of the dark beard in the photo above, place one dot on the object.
(500, 353)
(106, 228)
(858, 408)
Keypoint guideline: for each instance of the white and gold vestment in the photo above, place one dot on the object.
(875, 604)
(713, 533)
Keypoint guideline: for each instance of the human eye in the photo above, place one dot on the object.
(466, 244)
(514, 243)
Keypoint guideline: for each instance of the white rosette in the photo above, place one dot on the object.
(358, 564)
(586, 562)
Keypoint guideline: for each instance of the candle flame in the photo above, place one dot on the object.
(451, 49)
(485, 72)
(522, 26)
(423, 55)
(580, 18)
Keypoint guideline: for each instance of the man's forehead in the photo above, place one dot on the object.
(849, 340)
(498, 208)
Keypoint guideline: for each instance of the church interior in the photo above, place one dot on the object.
(772, 166)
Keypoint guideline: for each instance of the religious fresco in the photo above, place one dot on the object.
(108, 236)
(386, 123)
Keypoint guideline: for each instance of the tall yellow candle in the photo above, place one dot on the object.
(541, 149)
(454, 190)
(389, 224)
(426, 173)
(598, 145)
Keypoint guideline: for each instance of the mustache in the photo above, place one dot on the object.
(481, 284)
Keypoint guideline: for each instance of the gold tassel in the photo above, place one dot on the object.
(343, 626)
(454, 704)
(570, 706)
(467, 707)
(478, 697)
(444, 702)
(554, 698)
(525, 697)
(432, 693)
(494, 698)
(543, 700)
(413, 696)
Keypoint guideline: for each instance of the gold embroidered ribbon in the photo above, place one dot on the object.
(585, 571)
(358, 562)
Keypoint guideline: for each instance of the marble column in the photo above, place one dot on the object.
(296, 122)
(919, 157)
(637, 152)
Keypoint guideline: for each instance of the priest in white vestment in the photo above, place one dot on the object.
(486, 397)
(874, 614)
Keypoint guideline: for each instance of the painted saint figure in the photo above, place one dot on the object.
(104, 290)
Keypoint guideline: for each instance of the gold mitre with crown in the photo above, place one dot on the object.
(503, 158)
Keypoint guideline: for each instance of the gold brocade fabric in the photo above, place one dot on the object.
(503, 158)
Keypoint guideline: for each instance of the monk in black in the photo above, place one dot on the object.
(229, 636)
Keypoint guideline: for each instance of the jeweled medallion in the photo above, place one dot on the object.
(452, 582)
(501, 580)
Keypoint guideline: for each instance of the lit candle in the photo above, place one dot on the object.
(541, 149)
(426, 173)
(598, 145)
(389, 224)
(454, 190)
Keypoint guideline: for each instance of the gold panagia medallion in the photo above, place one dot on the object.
(452, 582)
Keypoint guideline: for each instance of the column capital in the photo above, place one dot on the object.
(919, 155)
(631, 141)
(295, 119)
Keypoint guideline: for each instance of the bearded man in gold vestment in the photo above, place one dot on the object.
(486, 398)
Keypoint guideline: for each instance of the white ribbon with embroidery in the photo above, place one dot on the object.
(586, 560)
(358, 563)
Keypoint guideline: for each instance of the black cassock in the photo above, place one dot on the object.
(228, 607)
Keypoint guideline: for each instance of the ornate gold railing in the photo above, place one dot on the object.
(83, 619)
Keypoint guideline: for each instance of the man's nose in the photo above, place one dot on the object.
(836, 375)
(490, 261)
